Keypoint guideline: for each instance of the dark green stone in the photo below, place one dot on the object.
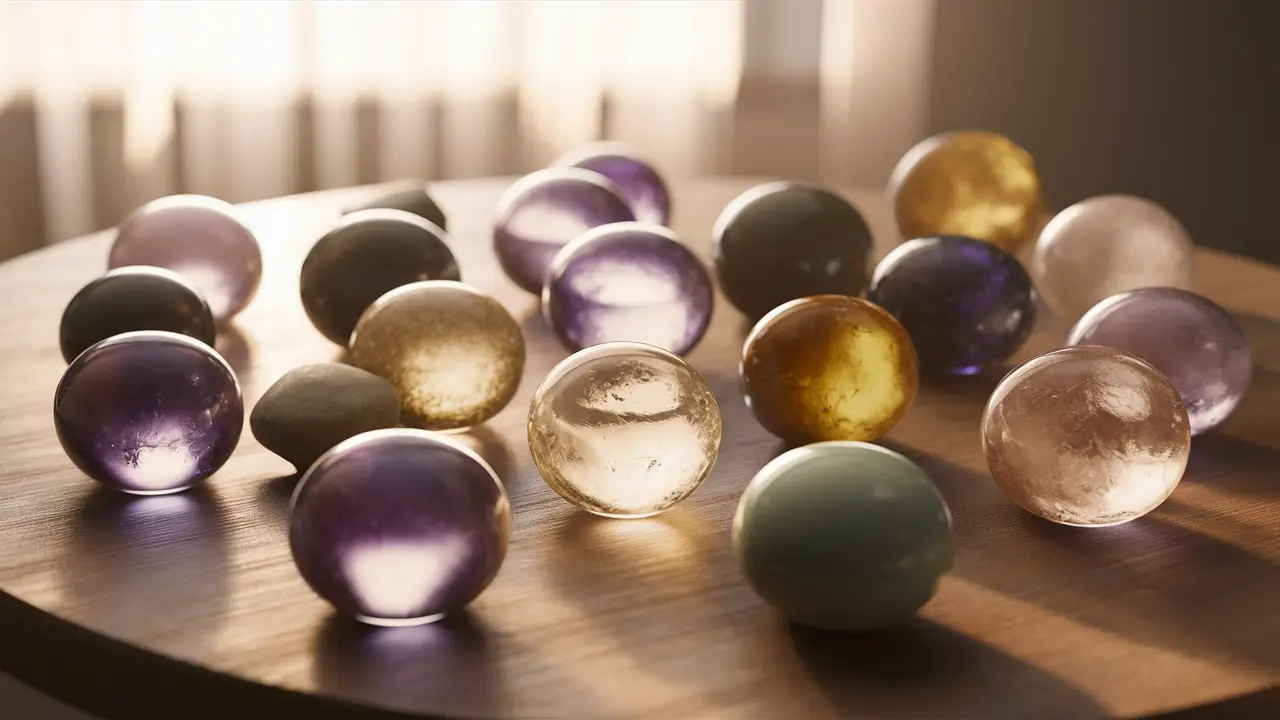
(413, 200)
(368, 254)
(134, 298)
(314, 407)
(843, 536)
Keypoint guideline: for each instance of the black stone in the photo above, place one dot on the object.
(367, 255)
(786, 240)
(415, 200)
(134, 298)
(314, 407)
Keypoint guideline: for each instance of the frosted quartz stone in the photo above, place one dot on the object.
(1106, 245)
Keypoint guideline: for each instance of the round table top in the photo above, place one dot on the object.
(189, 605)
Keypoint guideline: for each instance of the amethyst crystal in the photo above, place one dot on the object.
(967, 304)
(628, 281)
(543, 212)
(399, 527)
(1189, 338)
(641, 185)
(199, 238)
(148, 412)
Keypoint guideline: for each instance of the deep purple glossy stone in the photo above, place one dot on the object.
(148, 412)
(1188, 337)
(628, 282)
(544, 211)
(399, 527)
(642, 187)
(968, 305)
(199, 238)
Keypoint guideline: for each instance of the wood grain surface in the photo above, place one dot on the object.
(189, 606)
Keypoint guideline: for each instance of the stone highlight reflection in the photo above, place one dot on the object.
(148, 412)
(628, 281)
(399, 527)
(1086, 436)
(624, 430)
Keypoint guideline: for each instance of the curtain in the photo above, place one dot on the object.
(105, 104)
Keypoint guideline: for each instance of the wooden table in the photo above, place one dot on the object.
(188, 606)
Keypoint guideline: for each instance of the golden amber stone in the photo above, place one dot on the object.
(454, 354)
(973, 183)
(829, 367)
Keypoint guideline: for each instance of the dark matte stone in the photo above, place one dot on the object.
(134, 298)
(370, 253)
(785, 240)
(414, 200)
(314, 407)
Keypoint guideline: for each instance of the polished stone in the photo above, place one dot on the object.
(199, 238)
(785, 240)
(399, 527)
(1086, 436)
(1189, 338)
(369, 253)
(412, 200)
(624, 430)
(148, 412)
(843, 536)
(546, 210)
(829, 367)
(971, 183)
(312, 408)
(628, 281)
(967, 304)
(134, 298)
(453, 354)
(641, 184)
(1107, 245)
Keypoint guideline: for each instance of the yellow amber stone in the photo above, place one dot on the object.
(973, 183)
(454, 354)
(829, 367)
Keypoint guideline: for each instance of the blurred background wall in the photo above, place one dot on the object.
(107, 103)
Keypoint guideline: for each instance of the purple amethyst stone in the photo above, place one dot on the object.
(544, 211)
(199, 238)
(642, 187)
(628, 282)
(1189, 338)
(148, 412)
(967, 305)
(399, 527)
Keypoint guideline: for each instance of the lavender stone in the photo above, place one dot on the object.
(642, 187)
(1189, 338)
(968, 305)
(543, 211)
(628, 281)
(399, 527)
(199, 238)
(148, 412)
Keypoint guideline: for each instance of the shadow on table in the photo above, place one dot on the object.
(235, 348)
(150, 566)
(1148, 580)
(446, 666)
(923, 670)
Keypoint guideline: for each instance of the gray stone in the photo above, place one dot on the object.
(314, 407)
